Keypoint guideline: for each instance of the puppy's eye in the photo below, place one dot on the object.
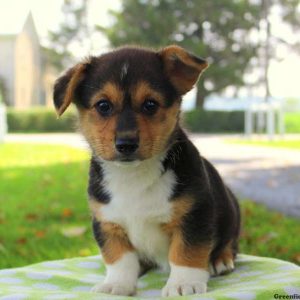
(104, 107)
(150, 107)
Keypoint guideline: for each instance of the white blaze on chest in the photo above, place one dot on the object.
(140, 203)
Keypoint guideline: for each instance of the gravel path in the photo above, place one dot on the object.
(266, 175)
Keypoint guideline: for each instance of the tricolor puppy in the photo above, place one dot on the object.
(154, 199)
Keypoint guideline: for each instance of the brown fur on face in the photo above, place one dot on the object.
(127, 78)
(153, 131)
(100, 131)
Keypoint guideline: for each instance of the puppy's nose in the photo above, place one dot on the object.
(127, 146)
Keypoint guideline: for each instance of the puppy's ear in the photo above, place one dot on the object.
(182, 68)
(65, 86)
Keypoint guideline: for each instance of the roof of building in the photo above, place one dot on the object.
(13, 21)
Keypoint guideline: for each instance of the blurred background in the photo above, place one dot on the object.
(252, 46)
(244, 113)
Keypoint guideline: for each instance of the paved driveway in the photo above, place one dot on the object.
(267, 175)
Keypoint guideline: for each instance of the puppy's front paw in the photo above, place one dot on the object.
(182, 289)
(116, 288)
(185, 281)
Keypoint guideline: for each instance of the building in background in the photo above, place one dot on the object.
(22, 70)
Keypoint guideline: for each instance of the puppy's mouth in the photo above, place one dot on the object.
(127, 158)
(127, 161)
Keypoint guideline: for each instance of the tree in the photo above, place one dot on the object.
(3, 91)
(71, 32)
(285, 11)
(217, 29)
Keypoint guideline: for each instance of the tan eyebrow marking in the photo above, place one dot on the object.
(111, 91)
(143, 90)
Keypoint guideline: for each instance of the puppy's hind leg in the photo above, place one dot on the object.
(223, 262)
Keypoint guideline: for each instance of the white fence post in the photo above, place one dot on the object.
(270, 122)
(281, 125)
(248, 122)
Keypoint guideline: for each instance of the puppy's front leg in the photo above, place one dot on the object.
(121, 276)
(189, 267)
(122, 264)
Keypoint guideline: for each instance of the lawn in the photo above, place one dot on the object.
(44, 213)
(289, 144)
(43, 206)
(269, 233)
(292, 122)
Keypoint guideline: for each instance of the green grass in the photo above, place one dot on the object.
(269, 233)
(43, 194)
(290, 144)
(292, 122)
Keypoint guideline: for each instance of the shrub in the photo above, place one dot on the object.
(40, 120)
(199, 120)
(45, 120)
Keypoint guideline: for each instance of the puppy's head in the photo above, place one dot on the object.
(129, 99)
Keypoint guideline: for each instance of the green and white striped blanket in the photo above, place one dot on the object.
(254, 278)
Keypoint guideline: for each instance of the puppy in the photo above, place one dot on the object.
(155, 201)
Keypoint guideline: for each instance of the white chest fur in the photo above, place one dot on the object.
(139, 203)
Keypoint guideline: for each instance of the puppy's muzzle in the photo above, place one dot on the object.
(127, 146)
